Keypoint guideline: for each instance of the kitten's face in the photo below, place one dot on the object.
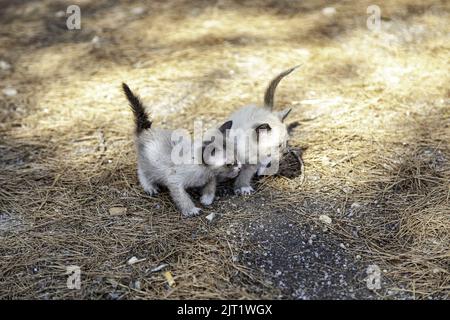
(221, 161)
(227, 170)
(271, 136)
(266, 130)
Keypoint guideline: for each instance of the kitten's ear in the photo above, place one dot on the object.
(262, 127)
(283, 114)
(291, 127)
(226, 126)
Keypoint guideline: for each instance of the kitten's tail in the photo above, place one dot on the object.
(140, 115)
(270, 91)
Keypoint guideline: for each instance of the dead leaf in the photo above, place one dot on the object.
(117, 211)
(169, 278)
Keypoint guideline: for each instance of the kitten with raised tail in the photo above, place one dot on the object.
(250, 122)
(156, 166)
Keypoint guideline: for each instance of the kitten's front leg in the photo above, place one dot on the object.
(208, 193)
(183, 201)
(242, 183)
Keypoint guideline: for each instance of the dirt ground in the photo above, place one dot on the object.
(374, 114)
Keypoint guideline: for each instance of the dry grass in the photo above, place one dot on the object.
(374, 113)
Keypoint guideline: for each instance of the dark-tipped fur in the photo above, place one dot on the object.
(270, 91)
(140, 115)
(292, 126)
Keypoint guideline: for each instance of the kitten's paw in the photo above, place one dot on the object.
(151, 190)
(192, 212)
(207, 199)
(244, 191)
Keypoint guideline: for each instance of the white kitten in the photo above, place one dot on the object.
(157, 168)
(249, 123)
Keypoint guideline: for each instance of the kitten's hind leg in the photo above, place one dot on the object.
(183, 201)
(147, 183)
(242, 183)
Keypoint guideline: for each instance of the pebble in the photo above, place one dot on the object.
(4, 65)
(325, 219)
(210, 217)
(96, 41)
(137, 285)
(10, 92)
(134, 260)
(60, 14)
(329, 11)
(137, 10)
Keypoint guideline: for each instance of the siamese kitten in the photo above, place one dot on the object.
(248, 124)
(157, 168)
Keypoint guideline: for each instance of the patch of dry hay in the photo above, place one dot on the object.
(374, 113)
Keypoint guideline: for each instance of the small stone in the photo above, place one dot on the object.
(137, 10)
(210, 217)
(325, 219)
(4, 65)
(134, 260)
(96, 41)
(329, 11)
(60, 14)
(10, 92)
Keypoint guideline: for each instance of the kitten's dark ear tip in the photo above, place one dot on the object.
(226, 126)
(292, 126)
